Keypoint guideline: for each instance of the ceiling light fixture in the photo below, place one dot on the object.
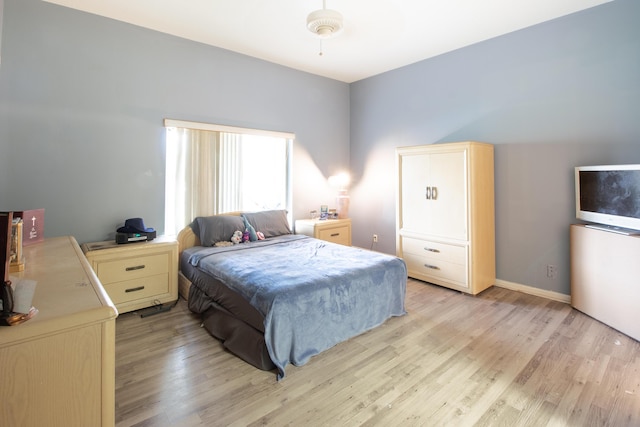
(324, 23)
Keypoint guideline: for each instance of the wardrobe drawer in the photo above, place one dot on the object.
(135, 289)
(132, 268)
(425, 268)
(434, 250)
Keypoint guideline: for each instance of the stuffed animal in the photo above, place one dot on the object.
(246, 236)
(260, 235)
(237, 237)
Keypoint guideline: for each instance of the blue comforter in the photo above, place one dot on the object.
(313, 294)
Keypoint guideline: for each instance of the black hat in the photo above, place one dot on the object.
(134, 225)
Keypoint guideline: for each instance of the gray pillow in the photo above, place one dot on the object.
(217, 228)
(270, 223)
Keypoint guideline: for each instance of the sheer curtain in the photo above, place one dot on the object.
(191, 176)
(214, 169)
(231, 173)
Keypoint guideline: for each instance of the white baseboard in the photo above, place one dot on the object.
(556, 296)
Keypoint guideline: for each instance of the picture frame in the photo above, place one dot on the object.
(16, 258)
(6, 219)
(324, 211)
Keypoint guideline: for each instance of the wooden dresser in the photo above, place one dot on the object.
(331, 230)
(136, 275)
(58, 368)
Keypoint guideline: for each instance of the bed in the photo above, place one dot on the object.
(281, 298)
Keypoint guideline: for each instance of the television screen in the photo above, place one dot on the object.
(612, 192)
(609, 196)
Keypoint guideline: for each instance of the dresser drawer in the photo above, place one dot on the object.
(119, 270)
(336, 235)
(131, 290)
(435, 251)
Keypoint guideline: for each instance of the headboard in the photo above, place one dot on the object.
(188, 239)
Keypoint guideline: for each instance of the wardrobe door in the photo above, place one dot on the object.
(448, 203)
(415, 207)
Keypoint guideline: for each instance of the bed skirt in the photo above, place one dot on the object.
(236, 335)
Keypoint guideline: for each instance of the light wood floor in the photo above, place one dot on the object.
(501, 358)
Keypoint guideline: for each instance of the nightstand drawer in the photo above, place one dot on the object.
(330, 230)
(131, 290)
(132, 268)
(336, 235)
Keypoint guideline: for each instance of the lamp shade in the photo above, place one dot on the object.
(340, 181)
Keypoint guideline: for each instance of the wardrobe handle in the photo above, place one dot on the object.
(434, 193)
(428, 193)
(137, 267)
(139, 288)
(432, 250)
(335, 234)
(433, 267)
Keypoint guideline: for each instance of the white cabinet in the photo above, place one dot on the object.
(604, 277)
(445, 214)
(439, 179)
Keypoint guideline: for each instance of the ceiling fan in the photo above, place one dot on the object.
(325, 23)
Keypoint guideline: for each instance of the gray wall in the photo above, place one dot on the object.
(551, 97)
(82, 103)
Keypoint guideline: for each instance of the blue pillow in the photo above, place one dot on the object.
(216, 228)
(270, 223)
(253, 236)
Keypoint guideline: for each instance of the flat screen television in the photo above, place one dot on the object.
(609, 196)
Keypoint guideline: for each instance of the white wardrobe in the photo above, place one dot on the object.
(445, 226)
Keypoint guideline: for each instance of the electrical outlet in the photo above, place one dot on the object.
(551, 271)
(375, 238)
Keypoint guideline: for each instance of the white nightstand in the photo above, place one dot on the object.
(331, 230)
(136, 275)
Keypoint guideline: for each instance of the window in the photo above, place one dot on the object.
(214, 169)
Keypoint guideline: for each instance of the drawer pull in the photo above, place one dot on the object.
(335, 234)
(139, 288)
(432, 250)
(137, 267)
(433, 267)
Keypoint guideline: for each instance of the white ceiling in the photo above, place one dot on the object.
(379, 35)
